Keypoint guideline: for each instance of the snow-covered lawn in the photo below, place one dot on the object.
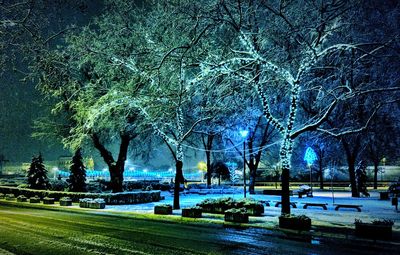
(372, 208)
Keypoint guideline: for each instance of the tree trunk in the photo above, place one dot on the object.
(208, 159)
(376, 164)
(178, 180)
(252, 179)
(208, 147)
(116, 168)
(116, 177)
(321, 175)
(285, 190)
(252, 168)
(352, 175)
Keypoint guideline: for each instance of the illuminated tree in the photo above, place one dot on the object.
(285, 56)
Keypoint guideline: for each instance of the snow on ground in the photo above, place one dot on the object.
(372, 208)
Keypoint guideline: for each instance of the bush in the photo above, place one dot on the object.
(65, 201)
(48, 201)
(377, 229)
(58, 185)
(22, 198)
(192, 212)
(142, 185)
(296, 222)
(163, 209)
(237, 215)
(10, 197)
(34, 200)
(92, 203)
(220, 205)
(110, 198)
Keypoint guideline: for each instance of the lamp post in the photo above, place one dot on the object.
(383, 168)
(244, 134)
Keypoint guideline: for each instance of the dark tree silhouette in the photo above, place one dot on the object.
(77, 177)
(37, 174)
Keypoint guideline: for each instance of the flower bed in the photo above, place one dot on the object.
(381, 229)
(65, 201)
(22, 198)
(92, 203)
(192, 212)
(110, 198)
(236, 215)
(296, 222)
(163, 209)
(253, 207)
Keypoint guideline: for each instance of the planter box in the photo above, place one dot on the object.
(96, 205)
(48, 201)
(384, 195)
(191, 212)
(34, 200)
(294, 223)
(373, 231)
(22, 199)
(65, 202)
(256, 210)
(237, 217)
(162, 209)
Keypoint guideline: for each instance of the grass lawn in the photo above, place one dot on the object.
(27, 231)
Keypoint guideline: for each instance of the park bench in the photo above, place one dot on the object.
(323, 205)
(358, 207)
(278, 203)
(266, 202)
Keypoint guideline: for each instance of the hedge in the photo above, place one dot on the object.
(133, 197)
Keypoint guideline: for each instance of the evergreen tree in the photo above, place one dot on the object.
(77, 177)
(37, 174)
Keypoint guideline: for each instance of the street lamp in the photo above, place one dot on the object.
(244, 134)
(310, 156)
(383, 168)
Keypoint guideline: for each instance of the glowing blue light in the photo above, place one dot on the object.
(244, 133)
(310, 157)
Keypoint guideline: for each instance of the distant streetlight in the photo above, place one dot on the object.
(310, 157)
(383, 167)
(244, 134)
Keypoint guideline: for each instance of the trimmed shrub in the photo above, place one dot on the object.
(377, 229)
(34, 200)
(48, 201)
(110, 198)
(296, 222)
(164, 209)
(58, 185)
(253, 207)
(92, 203)
(236, 215)
(192, 212)
(65, 201)
(1, 195)
(22, 198)
(10, 197)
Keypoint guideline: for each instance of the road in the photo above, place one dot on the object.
(34, 231)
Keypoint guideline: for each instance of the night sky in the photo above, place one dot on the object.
(21, 103)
